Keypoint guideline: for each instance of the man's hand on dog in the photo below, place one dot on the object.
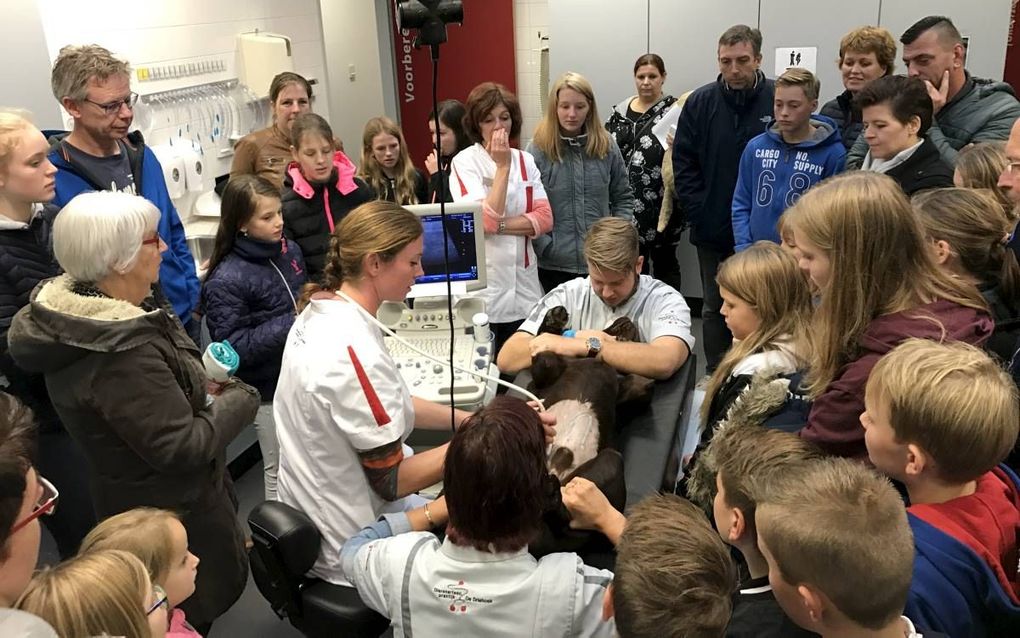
(576, 346)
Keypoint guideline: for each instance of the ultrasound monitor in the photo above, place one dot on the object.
(465, 240)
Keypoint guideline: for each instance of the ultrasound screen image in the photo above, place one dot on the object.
(460, 242)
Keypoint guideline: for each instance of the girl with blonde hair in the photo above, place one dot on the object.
(101, 593)
(968, 231)
(979, 167)
(158, 539)
(386, 164)
(767, 306)
(584, 175)
(863, 247)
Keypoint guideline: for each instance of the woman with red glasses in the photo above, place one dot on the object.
(129, 385)
(24, 497)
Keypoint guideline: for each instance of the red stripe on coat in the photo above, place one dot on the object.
(381, 418)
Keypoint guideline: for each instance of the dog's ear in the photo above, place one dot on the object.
(624, 330)
(635, 389)
(555, 321)
(546, 368)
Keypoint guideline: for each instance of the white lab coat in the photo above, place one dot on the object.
(511, 266)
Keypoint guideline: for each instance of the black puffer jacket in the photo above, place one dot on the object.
(848, 119)
(923, 170)
(311, 211)
(249, 300)
(26, 258)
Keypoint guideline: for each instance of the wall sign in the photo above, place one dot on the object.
(800, 57)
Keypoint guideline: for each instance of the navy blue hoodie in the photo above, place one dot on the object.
(774, 174)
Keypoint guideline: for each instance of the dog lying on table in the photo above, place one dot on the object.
(584, 395)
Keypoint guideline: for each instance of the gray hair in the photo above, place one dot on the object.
(101, 232)
(76, 65)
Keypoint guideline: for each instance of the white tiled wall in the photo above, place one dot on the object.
(173, 32)
(531, 18)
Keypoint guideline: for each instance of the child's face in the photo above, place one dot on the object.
(812, 260)
(266, 223)
(180, 583)
(28, 175)
(888, 455)
(792, 109)
(740, 316)
(314, 157)
(386, 150)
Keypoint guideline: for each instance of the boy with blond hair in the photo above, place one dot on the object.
(777, 167)
(838, 546)
(742, 459)
(940, 418)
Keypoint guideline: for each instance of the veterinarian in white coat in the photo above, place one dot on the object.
(614, 288)
(516, 208)
(342, 409)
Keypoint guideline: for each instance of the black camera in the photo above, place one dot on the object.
(429, 17)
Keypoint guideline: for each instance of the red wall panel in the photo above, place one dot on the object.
(480, 50)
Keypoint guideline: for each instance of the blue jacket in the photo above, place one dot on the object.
(774, 174)
(954, 590)
(715, 125)
(177, 272)
(249, 300)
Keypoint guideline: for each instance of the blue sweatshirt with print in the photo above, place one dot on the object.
(774, 174)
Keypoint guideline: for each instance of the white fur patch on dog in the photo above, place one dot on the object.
(577, 430)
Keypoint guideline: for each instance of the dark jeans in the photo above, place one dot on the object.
(63, 463)
(713, 328)
(552, 278)
(661, 263)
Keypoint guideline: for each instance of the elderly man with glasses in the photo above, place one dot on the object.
(94, 87)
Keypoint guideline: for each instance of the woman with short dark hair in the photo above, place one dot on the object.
(481, 579)
(515, 206)
(897, 113)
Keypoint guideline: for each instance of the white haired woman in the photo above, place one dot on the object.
(128, 383)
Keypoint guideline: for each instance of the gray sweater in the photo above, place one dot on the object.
(581, 190)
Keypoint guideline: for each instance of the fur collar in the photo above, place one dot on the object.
(56, 295)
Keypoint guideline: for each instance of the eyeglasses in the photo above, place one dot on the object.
(113, 108)
(46, 504)
(159, 599)
(155, 239)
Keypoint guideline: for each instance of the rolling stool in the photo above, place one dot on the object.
(286, 544)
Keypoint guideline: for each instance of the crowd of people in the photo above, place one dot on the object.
(856, 472)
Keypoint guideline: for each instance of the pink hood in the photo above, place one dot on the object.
(345, 170)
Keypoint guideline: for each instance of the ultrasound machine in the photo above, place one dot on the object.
(426, 324)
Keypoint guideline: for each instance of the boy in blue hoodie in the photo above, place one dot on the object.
(779, 165)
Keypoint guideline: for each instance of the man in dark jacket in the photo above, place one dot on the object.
(715, 125)
(98, 154)
(967, 110)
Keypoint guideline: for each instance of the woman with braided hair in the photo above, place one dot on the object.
(342, 409)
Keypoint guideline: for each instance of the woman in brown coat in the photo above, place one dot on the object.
(129, 385)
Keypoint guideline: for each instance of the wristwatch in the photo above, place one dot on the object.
(594, 347)
(502, 227)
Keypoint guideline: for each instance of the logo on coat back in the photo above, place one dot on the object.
(458, 596)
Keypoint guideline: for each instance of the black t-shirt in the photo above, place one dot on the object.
(633, 115)
(113, 173)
